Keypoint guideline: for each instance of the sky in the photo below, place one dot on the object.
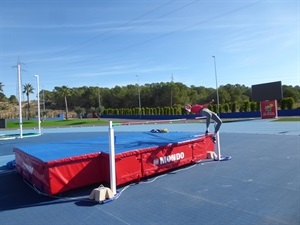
(108, 43)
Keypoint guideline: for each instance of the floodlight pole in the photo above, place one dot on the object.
(20, 99)
(44, 107)
(38, 100)
(218, 103)
(139, 93)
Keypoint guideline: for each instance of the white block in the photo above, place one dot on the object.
(211, 155)
(101, 193)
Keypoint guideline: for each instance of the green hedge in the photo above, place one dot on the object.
(247, 106)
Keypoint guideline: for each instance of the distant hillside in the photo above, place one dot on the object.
(11, 111)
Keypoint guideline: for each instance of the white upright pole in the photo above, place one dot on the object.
(218, 147)
(112, 164)
(218, 103)
(20, 100)
(38, 100)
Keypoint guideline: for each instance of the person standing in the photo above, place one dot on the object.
(204, 111)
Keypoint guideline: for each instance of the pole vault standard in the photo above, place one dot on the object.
(111, 139)
(217, 148)
(112, 162)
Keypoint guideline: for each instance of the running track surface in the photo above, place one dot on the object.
(259, 185)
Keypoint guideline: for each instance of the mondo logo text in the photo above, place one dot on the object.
(28, 168)
(168, 158)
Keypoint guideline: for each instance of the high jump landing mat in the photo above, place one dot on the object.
(58, 167)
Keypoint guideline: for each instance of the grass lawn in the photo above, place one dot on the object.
(288, 119)
(57, 123)
(91, 122)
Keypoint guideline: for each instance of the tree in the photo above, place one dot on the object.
(287, 103)
(100, 110)
(2, 96)
(290, 102)
(253, 106)
(290, 91)
(64, 92)
(28, 89)
(246, 106)
(80, 111)
(224, 96)
(13, 99)
(226, 107)
(1, 87)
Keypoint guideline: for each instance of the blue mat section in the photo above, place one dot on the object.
(123, 142)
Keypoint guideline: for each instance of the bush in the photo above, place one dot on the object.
(226, 107)
(246, 105)
(287, 103)
(214, 107)
(290, 102)
(3, 106)
(253, 106)
(233, 107)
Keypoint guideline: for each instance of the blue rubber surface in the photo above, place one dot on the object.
(260, 185)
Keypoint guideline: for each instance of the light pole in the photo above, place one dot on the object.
(38, 100)
(139, 94)
(44, 107)
(218, 104)
(20, 100)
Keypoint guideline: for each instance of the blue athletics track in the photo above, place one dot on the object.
(259, 185)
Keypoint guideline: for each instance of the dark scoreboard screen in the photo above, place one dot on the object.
(267, 91)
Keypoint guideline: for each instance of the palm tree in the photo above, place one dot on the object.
(65, 92)
(28, 89)
(1, 87)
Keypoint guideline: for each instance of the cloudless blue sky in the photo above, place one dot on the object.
(119, 42)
